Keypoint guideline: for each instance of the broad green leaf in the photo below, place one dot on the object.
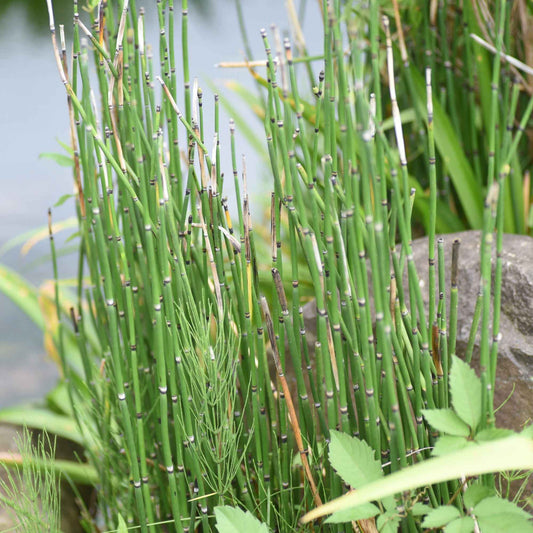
(420, 509)
(448, 443)
(389, 503)
(388, 522)
(235, 520)
(493, 434)
(446, 421)
(440, 516)
(461, 173)
(512, 453)
(506, 522)
(528, 431)
(475, 493)
(465, 388)
(44, 419)
(465, 524)
(353, 459)
(367, 510)
(22, 293)
(496, 506)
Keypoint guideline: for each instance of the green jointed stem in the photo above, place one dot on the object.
(177, 285)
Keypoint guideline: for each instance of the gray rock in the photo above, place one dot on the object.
(515, 349)
(514, 378)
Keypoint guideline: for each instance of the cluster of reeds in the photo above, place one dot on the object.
(480, 96)
(178, 381)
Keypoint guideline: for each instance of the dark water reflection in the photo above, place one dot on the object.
(34, 13)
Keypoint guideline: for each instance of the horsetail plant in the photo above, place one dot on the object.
(31, 491)
(185, 403)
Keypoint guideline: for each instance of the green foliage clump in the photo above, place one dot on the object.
(29, 487)
(178, 347)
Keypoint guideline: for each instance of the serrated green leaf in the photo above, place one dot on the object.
(512, 453)
(121, 527)
(448, 444)
(420, 509)
(496, 505)
(507, 522)
(446, 421)
(235, 520)
(389, 502)
(493, 434)
(465, 388)
(388, 523)
(475, 493)
(367, 510)
(441, 516)
(465, 524)
(353, 459)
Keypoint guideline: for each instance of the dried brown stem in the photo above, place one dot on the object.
(293, 419)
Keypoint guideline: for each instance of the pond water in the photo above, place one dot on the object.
(33, 117)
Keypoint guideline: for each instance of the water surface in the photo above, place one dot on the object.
(33, 117)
